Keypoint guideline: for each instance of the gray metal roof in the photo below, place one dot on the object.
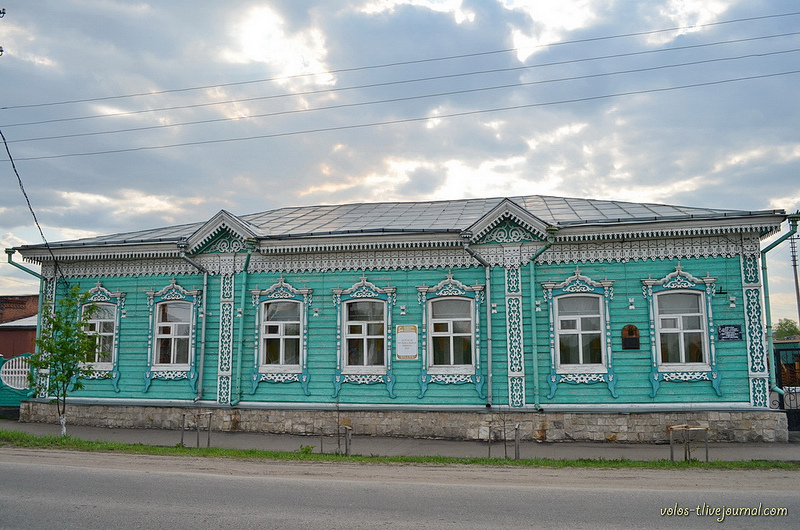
(432, 217)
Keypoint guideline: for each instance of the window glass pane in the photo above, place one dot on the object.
(441, 327)
(355, 352)
(291, 330)
(678, 303)
(174, 312)
(692, 322)
(365, 311)
(374, 352)
(164, 351)
(578, 305)
(592, 351)
(182, 351)
(462, 350)
(182, 330)
(569, 324)
(441, 350)
(104, 312)
(568, 346)
(164, 330)
(462, 326)
(669, 323)
(106, 345)
(91, 327)
(670, 348)
(292, 351)
(354, 329)
(450, 308)
(272, 351)
(106, 327)
(590, 324)
(272, 329)
(694, 347)
(375, 329)
(282, 311)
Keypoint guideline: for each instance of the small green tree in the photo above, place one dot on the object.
(65, 349)
(786, 328)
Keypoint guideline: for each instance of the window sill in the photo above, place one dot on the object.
(367, 370)
(170, 368)
(280, 368)
(582, 369)
(684, 367)
(452, 369)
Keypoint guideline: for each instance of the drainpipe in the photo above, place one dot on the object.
(466, 236)
(240, 340)
(182, 245)
(551, 238)
(10, 252)
(793, 219)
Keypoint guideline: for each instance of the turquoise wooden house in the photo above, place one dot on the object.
(578, 319)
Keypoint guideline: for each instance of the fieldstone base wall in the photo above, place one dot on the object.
(647, 427)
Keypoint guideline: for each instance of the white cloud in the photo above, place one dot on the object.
(553, 19)
(372, 7)
(688, 14)
(262, 37)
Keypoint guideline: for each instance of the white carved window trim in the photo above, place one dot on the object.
(583, 367)
(172, 293)
(659, 317)
(110, 370)
(174, 334)
(281, 336)
(94, 327)
(360, 292)
(677, 282)
(468, 368)
(364, 336)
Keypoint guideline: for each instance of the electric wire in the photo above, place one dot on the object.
(410, 62)
(30, 208)
(390, 83)
(411, 120)
(406, 98)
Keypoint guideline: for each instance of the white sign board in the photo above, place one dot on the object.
(406, 338)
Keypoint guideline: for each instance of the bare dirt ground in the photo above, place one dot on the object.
(579, 478)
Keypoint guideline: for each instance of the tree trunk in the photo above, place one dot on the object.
(62, 419)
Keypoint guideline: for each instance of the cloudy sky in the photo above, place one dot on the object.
(124, 115)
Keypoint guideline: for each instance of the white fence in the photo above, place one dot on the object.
(14, 373)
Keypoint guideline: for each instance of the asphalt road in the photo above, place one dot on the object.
(64, 489)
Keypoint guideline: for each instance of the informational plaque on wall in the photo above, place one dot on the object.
(729, 332)
(406, 338)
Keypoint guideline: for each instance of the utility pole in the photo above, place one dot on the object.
(793, 247)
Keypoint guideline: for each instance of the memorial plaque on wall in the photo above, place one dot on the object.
(729, 332)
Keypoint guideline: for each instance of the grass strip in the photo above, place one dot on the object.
(23, 439)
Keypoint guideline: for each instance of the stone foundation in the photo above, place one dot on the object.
(645, 427)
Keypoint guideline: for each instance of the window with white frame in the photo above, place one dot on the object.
(580, 328)
(450, 326)
(680, 327)
(102, 324)
(365, 334)
(281, 332)
(173, 333)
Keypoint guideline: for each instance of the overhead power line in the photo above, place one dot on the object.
(30, 207)
(406, 98)
(411, 120)
(406, 81)
(402, 63)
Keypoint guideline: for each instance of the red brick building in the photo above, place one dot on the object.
(17, 324)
